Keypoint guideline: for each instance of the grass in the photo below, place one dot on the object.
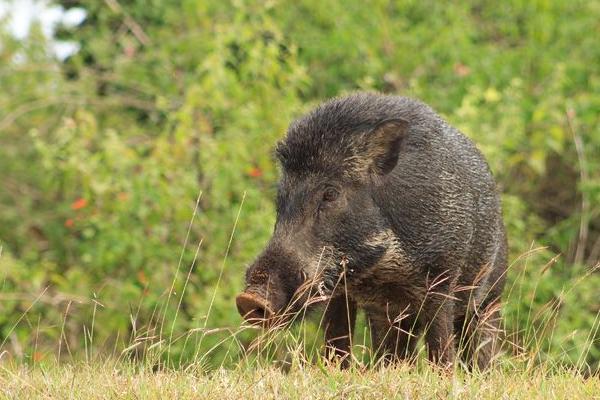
(286, 363)
(109, 379)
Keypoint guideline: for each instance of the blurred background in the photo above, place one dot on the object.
(136, 169)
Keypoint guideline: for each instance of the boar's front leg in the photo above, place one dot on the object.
(439, 335)
(339, 319)
(393, 336)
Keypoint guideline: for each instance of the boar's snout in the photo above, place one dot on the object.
(253, 308)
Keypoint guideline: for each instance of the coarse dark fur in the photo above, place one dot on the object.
(384, 206)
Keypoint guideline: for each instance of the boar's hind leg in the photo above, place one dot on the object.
(479, 323)
(479, 336)
(339, 319)
(392, 341)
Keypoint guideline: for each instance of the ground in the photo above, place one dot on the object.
(108, 380)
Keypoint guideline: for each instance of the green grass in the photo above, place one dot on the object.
(116, 380)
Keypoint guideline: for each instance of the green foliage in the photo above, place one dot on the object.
(104, 156)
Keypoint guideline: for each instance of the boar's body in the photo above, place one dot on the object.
(383, 206)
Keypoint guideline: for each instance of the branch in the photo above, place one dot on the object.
(133, 26)
(585, 204)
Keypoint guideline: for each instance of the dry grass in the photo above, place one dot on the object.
(110, 380)
(282, 364)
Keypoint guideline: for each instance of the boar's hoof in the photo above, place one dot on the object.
(253, 308)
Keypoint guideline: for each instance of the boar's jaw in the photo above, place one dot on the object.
(253, 308)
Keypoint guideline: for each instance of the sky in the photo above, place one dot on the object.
(21, 13)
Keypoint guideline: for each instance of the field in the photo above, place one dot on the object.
(113, 380)
(137, 181)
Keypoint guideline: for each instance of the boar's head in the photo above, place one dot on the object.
(335, 163)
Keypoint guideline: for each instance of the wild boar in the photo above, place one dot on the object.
(383, 206)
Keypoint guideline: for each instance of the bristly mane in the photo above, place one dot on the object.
(326, 139)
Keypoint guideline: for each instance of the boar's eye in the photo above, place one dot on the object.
(330, 194)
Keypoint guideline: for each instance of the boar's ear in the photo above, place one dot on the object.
(383, 145)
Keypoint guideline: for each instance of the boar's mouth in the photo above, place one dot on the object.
(253, 308)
